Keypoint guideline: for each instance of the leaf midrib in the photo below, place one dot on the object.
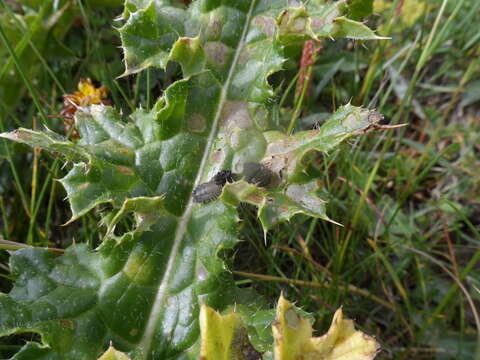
(146, 340)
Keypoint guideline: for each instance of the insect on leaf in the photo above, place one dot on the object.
(142, 290)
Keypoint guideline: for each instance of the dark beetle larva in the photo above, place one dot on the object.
(258, 174)
(206, 192)
(224, 176)
(211, 190)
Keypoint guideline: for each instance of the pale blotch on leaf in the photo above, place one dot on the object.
(202, 272)
(293, 338)
(217, 52)
(303, 195)
(235, 142)
(214, 29)
(350, 121)
(244, 56)
(332, 15)
(299, 24)
(16, 135)
(266, 24)
(292, 319)
(293, 21)
(279, 154)
(276, 163)
(197, 123)
(83, 186)
(242, 139)
(317, 24)
(282, 146)
(138, 269)
(217, 156)
(235, 114)
(125, 170)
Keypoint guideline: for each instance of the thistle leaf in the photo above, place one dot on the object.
(293, 338)
(295, 194)
(284, 154)
(276, 206)
(112, 354)
(144, 28)
(47, 140)
(141, 291)
(146, 210)
(224, 337)
(355, 30)
(318, 19)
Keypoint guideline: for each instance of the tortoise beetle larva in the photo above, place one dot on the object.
(224, 176)
(206, 192)
(212, 189)
(258, 174)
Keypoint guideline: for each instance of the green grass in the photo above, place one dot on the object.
(405, 262)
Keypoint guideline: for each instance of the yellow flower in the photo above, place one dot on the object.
(87, 94)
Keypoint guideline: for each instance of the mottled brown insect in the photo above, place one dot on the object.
(225, 176)
(206, 192)
(258, 174)
(212, 189)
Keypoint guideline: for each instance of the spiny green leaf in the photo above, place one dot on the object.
(293, 338)
(224, 337)
(354, 30)
(149, 34)
(317, 20)
(33, 350)
(48, 294)
(275, 206)
(189, 53)
(147, 286)
(141, 291)
(146, 211)
(160, 32)
(48, 140)
(112, 354)
(83, 299)
(284, 155)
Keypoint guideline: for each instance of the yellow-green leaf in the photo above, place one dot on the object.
(224, 337)
(112, 354)
(293, 338)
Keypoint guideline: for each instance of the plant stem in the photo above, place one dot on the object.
(350, 288)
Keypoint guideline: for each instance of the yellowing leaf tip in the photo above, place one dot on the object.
(293, 339)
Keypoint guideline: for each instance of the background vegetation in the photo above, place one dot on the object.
(405, 263)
